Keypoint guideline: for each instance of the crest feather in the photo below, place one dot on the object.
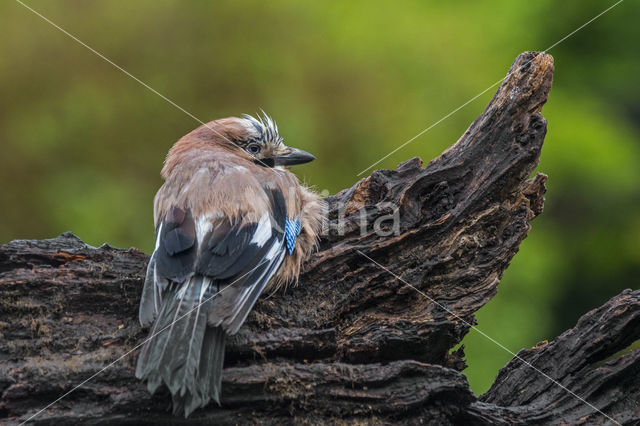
(265, 127)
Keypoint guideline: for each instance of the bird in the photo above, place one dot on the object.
(232, 222)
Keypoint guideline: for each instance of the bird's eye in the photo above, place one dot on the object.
(254, 148)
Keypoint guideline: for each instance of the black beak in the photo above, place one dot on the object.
(296, 156)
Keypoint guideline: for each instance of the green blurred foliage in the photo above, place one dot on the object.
(82, 143)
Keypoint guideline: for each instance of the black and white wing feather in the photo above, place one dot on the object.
(202, 281)
(239, 259)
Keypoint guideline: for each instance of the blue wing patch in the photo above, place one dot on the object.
(291, 231)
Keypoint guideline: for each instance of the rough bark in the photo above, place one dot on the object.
(351, 342)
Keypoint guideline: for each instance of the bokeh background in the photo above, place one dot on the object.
(81, 144)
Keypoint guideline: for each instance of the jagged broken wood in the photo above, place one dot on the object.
(350, 342)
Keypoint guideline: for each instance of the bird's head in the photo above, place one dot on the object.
(258, 140)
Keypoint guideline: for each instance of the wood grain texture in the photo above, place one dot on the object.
(351, 343)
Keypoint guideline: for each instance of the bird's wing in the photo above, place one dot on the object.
(243, 258)
(239, 259)
(172, 260)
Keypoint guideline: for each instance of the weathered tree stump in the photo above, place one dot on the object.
(351, 342)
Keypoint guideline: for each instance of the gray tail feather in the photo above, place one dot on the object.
(185, 353)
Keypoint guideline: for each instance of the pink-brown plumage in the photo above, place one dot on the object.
(205, 156)
(221, 212)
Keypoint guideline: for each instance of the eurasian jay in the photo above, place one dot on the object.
(231, 223)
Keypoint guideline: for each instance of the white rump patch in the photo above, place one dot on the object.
(203, 226)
